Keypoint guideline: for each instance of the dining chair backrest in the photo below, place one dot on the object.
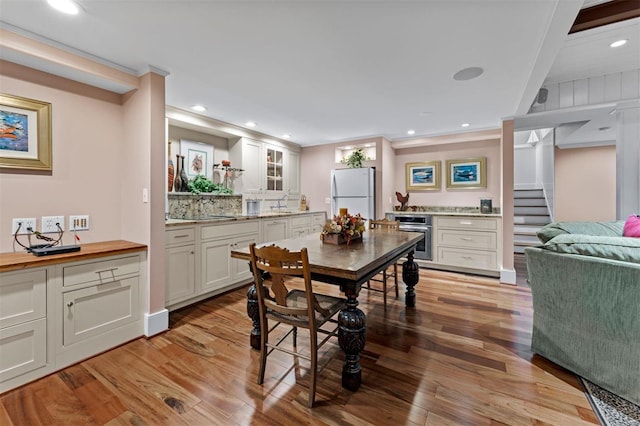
(384, 224)
(280, 264)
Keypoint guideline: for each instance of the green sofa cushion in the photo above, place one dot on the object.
(616, 248)
(605, 229)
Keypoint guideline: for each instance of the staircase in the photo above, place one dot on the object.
(530, 214)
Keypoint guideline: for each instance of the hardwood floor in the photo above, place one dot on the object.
(462, 356)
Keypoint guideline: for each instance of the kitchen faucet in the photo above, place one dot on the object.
(278, 205)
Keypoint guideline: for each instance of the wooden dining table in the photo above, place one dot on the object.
(348, 266)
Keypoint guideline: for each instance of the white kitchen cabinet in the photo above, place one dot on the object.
(180, 264)
(318, 220)
(275, 229)
(300, 226)
(218, 270)
(468, 242)
(293, 173)
(274, 166)
(246, 154)
(23, 323)
(57, 315)
(100, 305)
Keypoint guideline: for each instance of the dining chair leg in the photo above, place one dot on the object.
(314, 367)
(264, 339)
(295, 337)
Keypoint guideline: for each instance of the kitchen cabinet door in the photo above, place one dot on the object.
(275, 229)
(180, 268)
(215, 264)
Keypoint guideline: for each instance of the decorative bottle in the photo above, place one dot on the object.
(183, 176)
(170, 170)
(177, 183)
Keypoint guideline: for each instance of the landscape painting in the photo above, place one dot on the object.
(424, 176)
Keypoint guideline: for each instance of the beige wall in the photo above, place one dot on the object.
(89, 153)
(444, 197)
(585, 184)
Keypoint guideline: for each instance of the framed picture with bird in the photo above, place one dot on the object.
(424, 176)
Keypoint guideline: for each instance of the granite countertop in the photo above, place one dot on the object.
(232, 218)
(441, 212)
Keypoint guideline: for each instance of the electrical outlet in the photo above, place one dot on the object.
(23, 224)
(79, 223)
(49, 224)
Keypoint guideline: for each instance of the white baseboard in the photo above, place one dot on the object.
(507, 276)
(156, 323)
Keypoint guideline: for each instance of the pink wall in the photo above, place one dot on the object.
(88, 151)
(585, 184)
(444, 197)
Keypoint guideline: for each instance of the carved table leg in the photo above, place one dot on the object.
(410, 276)
(351, 336)
(254, 314)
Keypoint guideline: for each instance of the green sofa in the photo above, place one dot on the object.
(585, 282)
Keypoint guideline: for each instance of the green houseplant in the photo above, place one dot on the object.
(355, 159)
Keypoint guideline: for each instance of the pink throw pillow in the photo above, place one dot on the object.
(632, 226)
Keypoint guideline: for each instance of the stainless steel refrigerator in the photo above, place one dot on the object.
(354, 189)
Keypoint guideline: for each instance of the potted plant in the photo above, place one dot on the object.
(356, 159)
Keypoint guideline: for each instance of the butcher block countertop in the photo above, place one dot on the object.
(22, 259)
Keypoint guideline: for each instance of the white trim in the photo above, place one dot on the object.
(507, 276)
(156, 323)
(526, 186)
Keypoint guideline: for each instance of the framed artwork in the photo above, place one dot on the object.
(198, 158)
(25, 133)
(423, 176)
(467, 173)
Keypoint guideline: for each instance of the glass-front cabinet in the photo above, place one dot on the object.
(275, 168)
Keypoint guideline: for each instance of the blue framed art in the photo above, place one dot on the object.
(25, 133)
(423, 176)
(467, 173)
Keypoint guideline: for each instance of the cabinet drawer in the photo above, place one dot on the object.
(468, 239)
(101, 271)
(319, 219)
(476, 259)
(224, 231)
(300, 221)
(23, 297)
(23, 348)
(95, 310)
(178, 236)
(467, 223)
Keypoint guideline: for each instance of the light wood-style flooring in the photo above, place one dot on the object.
(461, 357)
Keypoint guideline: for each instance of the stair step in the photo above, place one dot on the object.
(528, 193)
(524, 229)
(525, 239)
(524, 211)
(529, 202)
(540, 220)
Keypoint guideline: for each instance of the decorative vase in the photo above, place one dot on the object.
(183, 176)
(177, 183)
(170, 170)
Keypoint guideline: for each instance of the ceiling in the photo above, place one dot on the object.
(330, 71)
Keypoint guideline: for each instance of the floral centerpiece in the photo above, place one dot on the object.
(343, 229)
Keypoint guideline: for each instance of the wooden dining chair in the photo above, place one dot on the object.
(272, 266)
(388, 273)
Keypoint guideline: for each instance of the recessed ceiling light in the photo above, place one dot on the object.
(425, 113)
(367, 145)
(411, 132)
(468, 73)
(465, 124)
(286, 136)
(199, 108)
(348, 147)
(65, 6)
(250, 124)
(618, 43)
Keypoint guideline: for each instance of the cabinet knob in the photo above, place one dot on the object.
(70, 304)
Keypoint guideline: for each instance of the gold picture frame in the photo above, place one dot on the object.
(467, 173)
(25, 133)
(423, 176)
